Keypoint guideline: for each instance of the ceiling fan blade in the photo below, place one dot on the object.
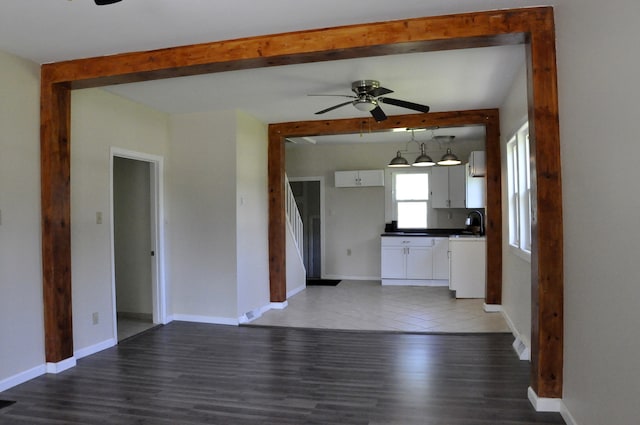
(378, 114)
(335, 95)
(404, 104)
(105, 2)
(379, 91)
(334, 107)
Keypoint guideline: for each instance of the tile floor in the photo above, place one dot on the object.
(128, 327)
(367, 305)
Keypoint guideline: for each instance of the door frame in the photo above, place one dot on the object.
(158, 283)
(319, 179)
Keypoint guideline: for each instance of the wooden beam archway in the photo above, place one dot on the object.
(487, 118)
(533, 27)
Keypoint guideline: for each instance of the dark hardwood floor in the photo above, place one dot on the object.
(187, 374)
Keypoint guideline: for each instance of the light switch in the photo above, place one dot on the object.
(99, 217)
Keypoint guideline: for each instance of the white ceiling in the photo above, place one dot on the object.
(54, 30)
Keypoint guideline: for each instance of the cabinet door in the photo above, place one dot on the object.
(475, 191)
(345, 178)
(393, 262)
(419, 262)
(441, 259)
(457, 186)
(370, 178)
(439, 187)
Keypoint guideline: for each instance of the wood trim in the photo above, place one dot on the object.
(547, 230)
(277, 219)
(532, 26)
(55, 169)
(466, 30)
(485, 117)
(493, 211)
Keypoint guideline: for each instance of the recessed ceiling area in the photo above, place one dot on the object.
(447, 80)
(429, 136)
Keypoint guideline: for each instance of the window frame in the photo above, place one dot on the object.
(519, 196)
(394, 202)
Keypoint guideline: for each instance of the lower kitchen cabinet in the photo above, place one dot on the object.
(410, 261)
(441, 259)
(467, 272)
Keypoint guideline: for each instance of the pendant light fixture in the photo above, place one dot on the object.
(399, 161)
(448, 158)
(423, 160)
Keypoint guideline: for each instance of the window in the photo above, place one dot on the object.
(519, 190)
(410, 196)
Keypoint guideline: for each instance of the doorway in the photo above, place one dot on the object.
(308, 193)
(138, 290)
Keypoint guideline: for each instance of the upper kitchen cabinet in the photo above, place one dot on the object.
(477, 164)
(359, 178)
(476, 191)
(448, 186)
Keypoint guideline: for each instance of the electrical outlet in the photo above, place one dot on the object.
(99, 217)
(96, 318)
(349, 251)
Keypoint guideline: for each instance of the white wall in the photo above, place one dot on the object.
(355, 217)
(598, 92)
(100, 120)
(21, 316)
(202, 215)
(252, 200)
(516, 271)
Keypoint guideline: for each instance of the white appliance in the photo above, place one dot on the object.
(467, 266)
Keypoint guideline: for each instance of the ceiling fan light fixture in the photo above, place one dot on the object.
(365, 105)
(449, 158)
(399, 161)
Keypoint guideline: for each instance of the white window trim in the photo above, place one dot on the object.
(518, 174)
(391, 212)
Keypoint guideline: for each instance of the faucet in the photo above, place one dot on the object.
(479, 214)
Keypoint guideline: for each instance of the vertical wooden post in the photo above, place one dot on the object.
(546, 186)
(55, 163)
(493, 211)
(277, 219)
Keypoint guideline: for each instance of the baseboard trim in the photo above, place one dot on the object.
(278, 306)
(87, 351)
(566, 415)
(22, 377)
(414, 282)
(519, 344)
(542, 404)
(213, 320)
(345, 277)
(61, 366)
(492, 308)
(296, 291)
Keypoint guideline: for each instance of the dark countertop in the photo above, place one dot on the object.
(429, 232)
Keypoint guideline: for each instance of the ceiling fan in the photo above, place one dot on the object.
(368, 96)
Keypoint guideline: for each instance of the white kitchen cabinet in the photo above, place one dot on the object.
(441, 259)
(448, 186)
(477, 164)
(467, 271)
(359, 178)
(410, 261)
(476, 192)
